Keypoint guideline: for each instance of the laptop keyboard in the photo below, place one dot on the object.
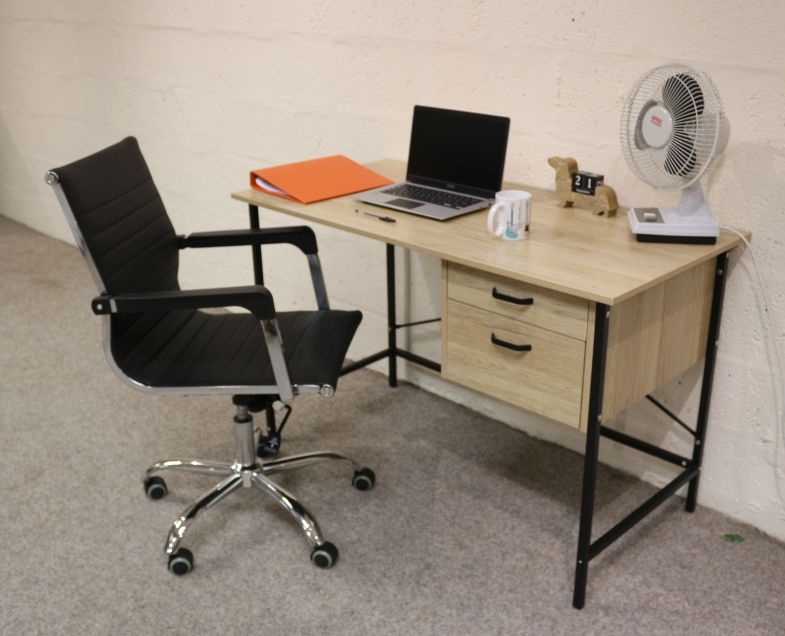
(429, 195)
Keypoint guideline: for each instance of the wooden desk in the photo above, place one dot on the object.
(608, 320)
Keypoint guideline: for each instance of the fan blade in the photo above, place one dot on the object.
(683, 97)
(640, 142)
(681, 158)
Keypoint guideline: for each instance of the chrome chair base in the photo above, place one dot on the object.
(248, 471)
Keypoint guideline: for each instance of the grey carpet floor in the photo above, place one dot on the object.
(471, 528)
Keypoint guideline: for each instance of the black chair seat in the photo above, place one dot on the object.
(196, 348)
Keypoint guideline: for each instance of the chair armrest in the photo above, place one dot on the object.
(300, 236)
(255, 298)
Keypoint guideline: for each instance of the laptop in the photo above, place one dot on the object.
(455, 166)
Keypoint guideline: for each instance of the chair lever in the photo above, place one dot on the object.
(270, 444)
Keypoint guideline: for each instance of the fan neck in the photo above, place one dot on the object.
(693, 201)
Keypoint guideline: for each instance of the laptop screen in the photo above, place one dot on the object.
(457, 150)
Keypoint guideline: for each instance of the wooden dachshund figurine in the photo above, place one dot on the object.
(603, 201)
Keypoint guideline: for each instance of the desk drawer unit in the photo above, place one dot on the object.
(522, 344)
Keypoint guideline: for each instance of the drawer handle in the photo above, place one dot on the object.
(511, 299)
(509, 345)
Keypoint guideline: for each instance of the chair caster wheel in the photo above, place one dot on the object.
(155, 487)
(324, 556)
(364, 479)
(181, 562)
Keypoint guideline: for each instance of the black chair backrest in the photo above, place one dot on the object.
(122, 219)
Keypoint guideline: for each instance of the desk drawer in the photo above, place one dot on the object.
(547, 379)
(544, 308)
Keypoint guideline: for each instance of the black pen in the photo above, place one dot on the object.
(386, 219)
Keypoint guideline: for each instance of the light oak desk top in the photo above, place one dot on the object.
(569, 250)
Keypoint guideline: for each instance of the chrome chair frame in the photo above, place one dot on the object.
(248, 470)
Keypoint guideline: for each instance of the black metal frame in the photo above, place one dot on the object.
(393, 351)
(690, 473)
(588, 549)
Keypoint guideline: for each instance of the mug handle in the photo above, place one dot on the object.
(492, 213)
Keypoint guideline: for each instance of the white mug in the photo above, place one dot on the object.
(511, 215)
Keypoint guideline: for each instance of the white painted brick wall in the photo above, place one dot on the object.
(214, 89)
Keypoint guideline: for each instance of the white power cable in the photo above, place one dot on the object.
(779, 383)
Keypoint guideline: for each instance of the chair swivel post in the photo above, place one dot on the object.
(244, 446)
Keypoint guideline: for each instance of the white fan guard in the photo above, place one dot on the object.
(705, 135)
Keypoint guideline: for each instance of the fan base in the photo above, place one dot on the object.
(670, 225)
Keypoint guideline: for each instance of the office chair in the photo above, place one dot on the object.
(159, 339)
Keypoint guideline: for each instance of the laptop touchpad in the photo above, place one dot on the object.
(405, 203)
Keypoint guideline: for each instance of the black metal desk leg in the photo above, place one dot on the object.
(256, 250)
(392, 352)
(392, 344)
(590, 460)
(712, 342)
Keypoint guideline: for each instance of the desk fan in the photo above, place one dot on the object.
(672, 129)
